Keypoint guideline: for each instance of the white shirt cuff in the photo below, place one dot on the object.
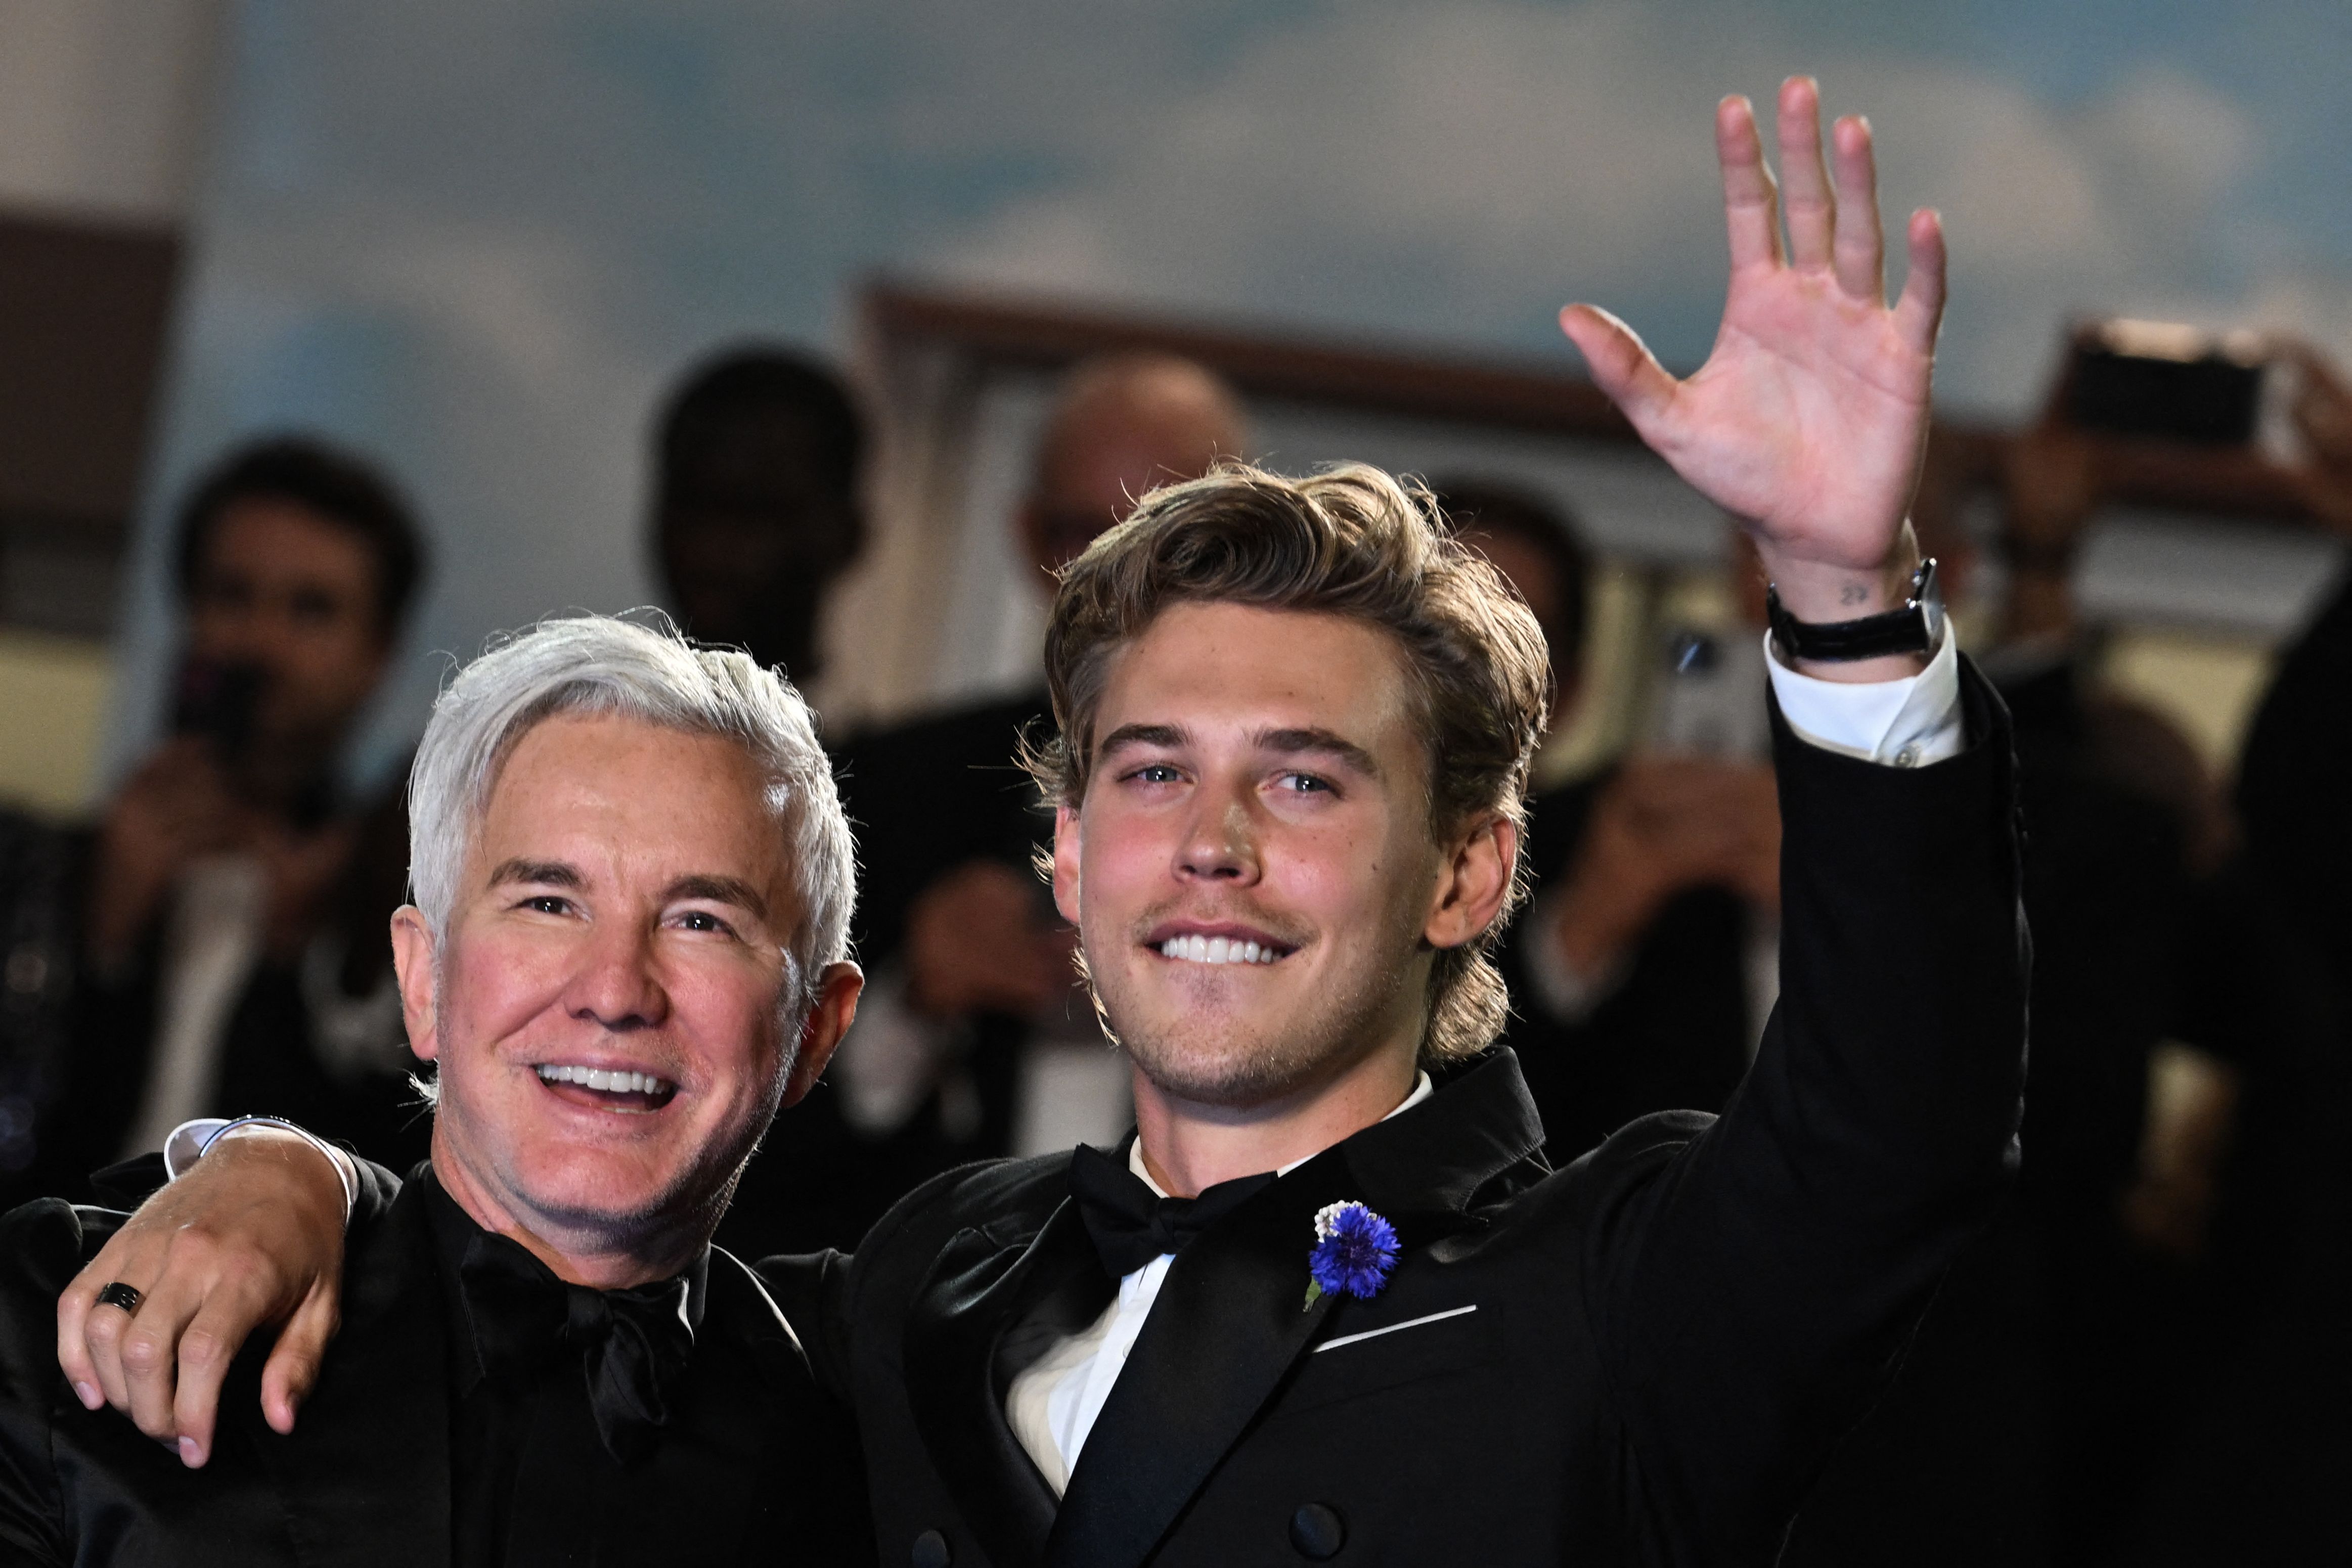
(1906, 723)
(190, 1139)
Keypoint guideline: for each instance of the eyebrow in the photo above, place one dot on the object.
(732, 890)
(554, 873)
(1290, 742)
(1131, 735)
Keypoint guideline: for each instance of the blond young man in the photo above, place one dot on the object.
(1320, 1304)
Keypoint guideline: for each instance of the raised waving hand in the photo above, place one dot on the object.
(1809, 418)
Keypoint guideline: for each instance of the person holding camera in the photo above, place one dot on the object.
(234, 911)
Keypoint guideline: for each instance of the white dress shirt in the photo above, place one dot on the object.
(212, 941)
(1054, 1402)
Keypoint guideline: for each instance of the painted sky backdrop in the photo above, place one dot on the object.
(476, 241)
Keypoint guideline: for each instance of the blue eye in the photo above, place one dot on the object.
(1304, 784)
(1156, 773)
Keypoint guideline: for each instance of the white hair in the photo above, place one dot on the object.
(598, 665)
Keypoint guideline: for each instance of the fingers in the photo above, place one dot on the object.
(1921, 309)
(204, 1350)
(1812, 211)
(147, 1353)
(292, 1369)
(73, 1349)
(216, 1255)
(1750, 201)
(1622, 365)
(92, 1333)
(1860, 251)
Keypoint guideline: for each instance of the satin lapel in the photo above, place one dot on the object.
(987, 1310)
(1230, 1320)
(365, 1474)
(1434, 1159)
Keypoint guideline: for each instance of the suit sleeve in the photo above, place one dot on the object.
(1753, 1288)
(42, 1246)
(377, 1188)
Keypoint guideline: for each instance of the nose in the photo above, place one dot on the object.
(616, 984)
(1220, 840)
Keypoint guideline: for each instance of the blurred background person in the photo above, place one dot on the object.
(758, 468)
(1642, 970)
(233, 922)
(2045, 1404)
(2034, 1404)
(759, 456)
(2258, 1461)
(975, 1039)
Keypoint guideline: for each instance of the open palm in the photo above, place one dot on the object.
(1808, 419)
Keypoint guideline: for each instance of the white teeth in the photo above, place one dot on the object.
(1217, 950)
(604, 1080)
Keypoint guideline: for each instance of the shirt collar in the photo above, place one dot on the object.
(1421, 1089)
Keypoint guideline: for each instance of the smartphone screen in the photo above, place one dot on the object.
(2172, 384)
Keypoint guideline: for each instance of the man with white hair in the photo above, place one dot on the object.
(632, 882)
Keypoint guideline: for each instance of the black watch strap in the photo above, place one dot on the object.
(1913, 629)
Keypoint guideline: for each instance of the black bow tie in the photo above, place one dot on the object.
(1131, 1224)
(632, 1344)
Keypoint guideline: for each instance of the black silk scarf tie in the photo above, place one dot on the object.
(633, 1345)
(1131, 1225)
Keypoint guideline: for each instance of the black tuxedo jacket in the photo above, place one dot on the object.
(1642, 1358)
(364, 1477)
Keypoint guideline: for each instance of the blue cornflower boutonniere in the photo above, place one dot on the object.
(1354, 1250)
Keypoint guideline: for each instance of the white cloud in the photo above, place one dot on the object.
(1462, 170)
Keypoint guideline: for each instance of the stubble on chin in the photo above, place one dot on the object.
(1227, 1058)
(596, 1202)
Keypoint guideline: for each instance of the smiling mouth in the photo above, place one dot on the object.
(606, 1088)
(1221, 950)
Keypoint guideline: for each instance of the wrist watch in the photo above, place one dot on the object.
(1913, 629)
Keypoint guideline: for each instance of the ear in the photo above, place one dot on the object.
(412, 964)
(1473, 885)
(1065, 863)
(829, 1019)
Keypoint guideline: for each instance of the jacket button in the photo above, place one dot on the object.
(932, 1551)
(1318, 1531)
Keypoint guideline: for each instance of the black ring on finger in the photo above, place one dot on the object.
(119, 1294)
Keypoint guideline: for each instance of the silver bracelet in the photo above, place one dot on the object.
(189, 1141)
